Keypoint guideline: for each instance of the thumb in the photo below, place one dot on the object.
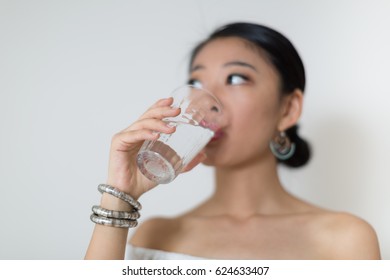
(197, 159)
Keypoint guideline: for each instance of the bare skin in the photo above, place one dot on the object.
(250, 215)
(245, 225)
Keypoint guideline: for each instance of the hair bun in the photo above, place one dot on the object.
(302, 149)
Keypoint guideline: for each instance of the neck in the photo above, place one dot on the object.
(249, 189)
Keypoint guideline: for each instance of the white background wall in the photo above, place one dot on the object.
(72, 73)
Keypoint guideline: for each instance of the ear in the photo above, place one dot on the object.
(291, 110)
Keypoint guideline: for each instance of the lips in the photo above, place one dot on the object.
(217, 135)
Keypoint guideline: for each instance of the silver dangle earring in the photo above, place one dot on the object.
(282, 147)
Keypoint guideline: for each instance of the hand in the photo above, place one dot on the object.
(197, 159)
(123, 172)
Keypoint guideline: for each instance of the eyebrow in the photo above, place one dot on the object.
(232, 63)
(240, 63)
(196, 67)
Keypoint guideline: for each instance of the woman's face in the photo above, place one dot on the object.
(248, 87)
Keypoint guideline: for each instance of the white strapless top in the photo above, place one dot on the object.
(139, 253)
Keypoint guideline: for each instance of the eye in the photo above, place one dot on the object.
(236, 79)
(195, 83)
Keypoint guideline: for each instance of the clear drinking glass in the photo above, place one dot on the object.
(162, 160)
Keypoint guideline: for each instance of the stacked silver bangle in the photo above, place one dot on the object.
(113, 218)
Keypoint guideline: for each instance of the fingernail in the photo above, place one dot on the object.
(170, 125)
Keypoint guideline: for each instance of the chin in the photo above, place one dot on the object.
(215, 159)
(216, 154)
(208, 162)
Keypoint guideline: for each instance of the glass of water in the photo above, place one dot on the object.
(162, 160)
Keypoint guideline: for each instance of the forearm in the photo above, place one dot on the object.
(107, 242)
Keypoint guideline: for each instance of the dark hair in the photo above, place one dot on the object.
(284, 57)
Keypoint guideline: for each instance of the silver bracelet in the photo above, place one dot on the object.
(121, 195)
(115, 214)
(113, 222)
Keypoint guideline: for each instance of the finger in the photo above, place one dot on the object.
(193, 163)
(161, 112)
(153, 125)
(124, 140)
(162, 102)
(156, 113)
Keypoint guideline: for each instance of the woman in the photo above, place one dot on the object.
(259, 78)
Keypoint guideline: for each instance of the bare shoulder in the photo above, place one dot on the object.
(345, 236)
(155, 233)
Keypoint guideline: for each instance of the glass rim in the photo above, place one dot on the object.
(176, 90)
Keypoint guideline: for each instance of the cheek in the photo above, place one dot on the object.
(255, 120)
(252, 127)
(255, 103)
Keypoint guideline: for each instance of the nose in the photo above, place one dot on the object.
(215, 109)
(217, 91)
